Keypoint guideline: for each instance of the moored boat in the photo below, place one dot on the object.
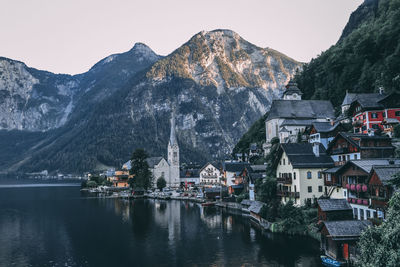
(330, 262)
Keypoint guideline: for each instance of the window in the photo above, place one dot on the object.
(319, 175)
(340, 158)
(320, 188)
(361, 214)
(310, 189)
(397, 113)
(295, 188)
(309, 175)
(375, 126)
(384, 114)
(368, 214)
(355, 213)
(294, 176)
(374, 115)
(355, 156)
(344, 193)
(364, 128)
(283, 161)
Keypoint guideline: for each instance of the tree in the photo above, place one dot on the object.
(379, 245)
(292, 218)
(397, 131)
(266, 191)
(161, 183)
(140, 170)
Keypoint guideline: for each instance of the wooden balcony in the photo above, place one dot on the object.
(379, 202)
(341, 150)
(283, 180)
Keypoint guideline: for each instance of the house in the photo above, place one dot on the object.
(354, 178)
(121, 178)
(247, 178)
(291, 115)
(324, 132)
(190, 177)
(330, 209)
(255, 210)
(339, 238)
(369, 110)
(379, 186)
(210, 174)
(299, 169)
(350, 146)
(232, 169)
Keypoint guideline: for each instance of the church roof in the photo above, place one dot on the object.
(153, 161)
(301, 109)
(291, 88)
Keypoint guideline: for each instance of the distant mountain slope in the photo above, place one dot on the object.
(366, 58)
(218, 84)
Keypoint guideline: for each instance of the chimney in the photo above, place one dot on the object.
(316, 149)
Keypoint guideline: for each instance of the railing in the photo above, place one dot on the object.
(288, 194)
(283, 180)
(379, 202)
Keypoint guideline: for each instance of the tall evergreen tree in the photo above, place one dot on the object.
(140, 170)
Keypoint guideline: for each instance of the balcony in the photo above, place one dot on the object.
(341, 150)
(358, 201)
(288, 194)
(284, 180)
(379, 202)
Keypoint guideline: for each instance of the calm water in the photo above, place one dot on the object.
(57, 226)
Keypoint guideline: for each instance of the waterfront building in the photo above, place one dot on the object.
(190, 177)
(299, 169)
(159, 167)
(232, 169)
(210, 175)
(339, 238)
(121, 178)
(291, 115)
(331, 209)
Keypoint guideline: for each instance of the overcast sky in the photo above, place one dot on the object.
(69, 36)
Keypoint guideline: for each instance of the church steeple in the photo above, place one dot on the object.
(172, 136)
(173, 156)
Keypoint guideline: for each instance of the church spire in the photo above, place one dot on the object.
(172, 137)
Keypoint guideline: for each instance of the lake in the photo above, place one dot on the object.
(57, 226)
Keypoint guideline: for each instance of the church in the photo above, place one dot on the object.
(169, 169)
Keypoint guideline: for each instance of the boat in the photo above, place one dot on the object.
(330, 262)
(208, 204)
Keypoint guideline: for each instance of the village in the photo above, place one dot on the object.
(340, 165)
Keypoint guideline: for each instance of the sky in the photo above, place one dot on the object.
(70, 36)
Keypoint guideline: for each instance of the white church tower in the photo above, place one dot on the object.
(173, 157)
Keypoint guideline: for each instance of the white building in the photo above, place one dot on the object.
(173, 158)
(210, 174)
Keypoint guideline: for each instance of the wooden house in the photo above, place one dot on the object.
(331, 209)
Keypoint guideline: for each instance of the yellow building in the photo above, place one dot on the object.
(299, 172)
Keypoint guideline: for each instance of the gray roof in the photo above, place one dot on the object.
(351, 229)
(246, 202)
(370, 100)
(386, 172)
(324, 127)
(256, 207)
(258, 168)
(153, 161)
(235, 166)
(301, 109)
(367, 164)
(333, 170)
(348, 99)
(302, 156)
(291, 122)
(333, 204)
(355, 139)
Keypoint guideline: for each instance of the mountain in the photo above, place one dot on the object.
(366, 58)
(217, 84)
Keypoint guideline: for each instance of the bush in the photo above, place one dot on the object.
(397, 131)
(242, 196)
(91, 184)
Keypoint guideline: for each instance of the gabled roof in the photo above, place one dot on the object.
(258, 168)
(345, 230)
(153, 161)
(292, 122)
(368, 101)
(367, 164)
(325, 127)
(190, 173)
(208, 163)
(301, 109)
(235, 166)
(349, 98)
(302, 156)
(386, 172)
(333, 204)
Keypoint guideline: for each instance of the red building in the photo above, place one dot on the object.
(370, 111)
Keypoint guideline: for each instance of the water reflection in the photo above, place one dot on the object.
(43, 227)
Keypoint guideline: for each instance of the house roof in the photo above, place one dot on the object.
(348, 99)
(153, 161)
(386, 172)
(190, 173)
(256, 206)
(246, 202)
(235, 166)
(302, 156)
(351, 229)
(333, 204)
(324, 127)
(208, 163)
(333, 170)
(301, 109)
(258, 168)
(368, 164)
